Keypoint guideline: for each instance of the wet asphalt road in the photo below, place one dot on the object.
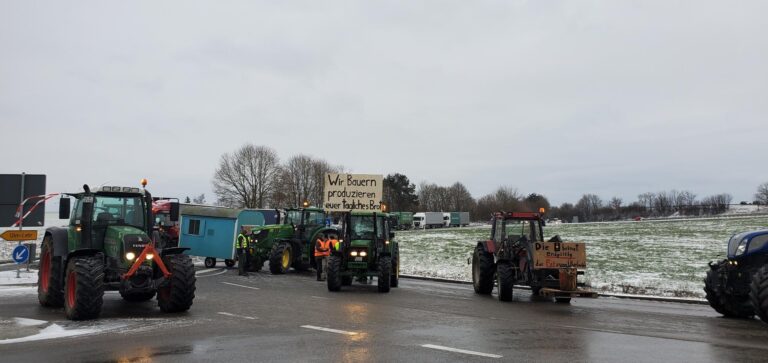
(292, 318)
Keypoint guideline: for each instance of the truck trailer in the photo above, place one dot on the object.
(459, 219)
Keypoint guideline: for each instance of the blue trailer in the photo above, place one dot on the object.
(210, 231)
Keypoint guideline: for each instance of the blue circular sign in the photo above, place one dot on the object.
(20, 254)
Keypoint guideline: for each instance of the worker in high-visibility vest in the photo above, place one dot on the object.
(335, 242)
(322, 251)
(241, 244)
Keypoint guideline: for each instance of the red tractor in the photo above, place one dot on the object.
(516, 254)
(167, 229)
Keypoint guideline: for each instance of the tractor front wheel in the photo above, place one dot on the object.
(50, 289)
(505, 275)
(385, 272)
(84, 288)
(759, 293)
(179, 291)
(395, 278)
(280, 258)
(333, 273)
(256, 264)
(482, 271)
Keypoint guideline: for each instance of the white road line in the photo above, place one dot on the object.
(207, 271)
(462, 351)
(209, 275)
(243, 286)
(329, 330)
(236, 316)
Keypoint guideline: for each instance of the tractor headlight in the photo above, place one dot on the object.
(363, 253)
(150, 256)
(742, 247)
(130, 256)
(353, 253)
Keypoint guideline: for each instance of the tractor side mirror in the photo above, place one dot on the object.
(174, 211)
(391, 235)
(64, 208)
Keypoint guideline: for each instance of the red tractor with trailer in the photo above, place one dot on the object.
(167, 227)
(516, 254)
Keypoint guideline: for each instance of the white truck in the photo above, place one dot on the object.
(426, 220)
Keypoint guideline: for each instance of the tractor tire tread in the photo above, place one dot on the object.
(506, 276)
(759, 293)
(54, 297)
(333, 275)
(182, 285)
(385, 273)
(89, 287)
(484, 260)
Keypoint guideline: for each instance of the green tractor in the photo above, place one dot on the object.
(290, 243)
(367, 248)
(107, 246)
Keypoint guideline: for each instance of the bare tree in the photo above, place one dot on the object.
(762, 193)
(200, 199)
(615, 204)
(588, 207)
(247, 177)
(302, 179)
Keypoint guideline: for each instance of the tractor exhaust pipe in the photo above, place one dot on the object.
(86, 220)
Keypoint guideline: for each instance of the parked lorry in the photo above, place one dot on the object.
(401, 220)
(367, 248)
(516, 254)
(446, 219)
(459, 219)
(737, 286)
(210, 231)
(290, 243)
(109, 244)
(427, 220)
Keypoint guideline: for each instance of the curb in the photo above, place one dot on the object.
(679, 300)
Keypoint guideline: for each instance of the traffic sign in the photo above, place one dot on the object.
(20, 254)
(19, 235)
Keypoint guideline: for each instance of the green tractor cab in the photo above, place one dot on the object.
(367, 248)
(291, 242)
(109, 244)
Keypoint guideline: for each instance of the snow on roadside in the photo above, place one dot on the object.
(25, 278)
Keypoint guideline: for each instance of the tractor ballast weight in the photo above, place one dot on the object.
(367, 248)
(737, 287)
(110, 245)
(516, 254)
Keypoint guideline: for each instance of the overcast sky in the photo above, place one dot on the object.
(614, 98)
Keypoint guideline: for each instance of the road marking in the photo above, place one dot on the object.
(329, 330)
(236, 316)
(205, 272)
(462, 351)
(247, 287)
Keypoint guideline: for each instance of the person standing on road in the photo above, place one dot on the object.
(242, 250)
(322, 251)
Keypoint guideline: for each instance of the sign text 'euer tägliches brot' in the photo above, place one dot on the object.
(345, 192)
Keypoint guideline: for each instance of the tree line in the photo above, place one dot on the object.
(254, 177)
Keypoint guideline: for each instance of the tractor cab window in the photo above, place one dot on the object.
(517, 229)
(362, 227)
(315, 218)
(113, 210)
(380, 231)
(498, 230)
(293, 217)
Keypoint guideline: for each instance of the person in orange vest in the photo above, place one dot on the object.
(322, 251)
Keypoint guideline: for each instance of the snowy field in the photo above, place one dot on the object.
(661, 258)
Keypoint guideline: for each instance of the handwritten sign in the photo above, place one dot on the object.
(559, 255)
(345, 192)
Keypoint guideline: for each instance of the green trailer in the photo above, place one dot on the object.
(401, 220)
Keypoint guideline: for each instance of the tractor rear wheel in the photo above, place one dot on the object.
(385, 273)
(505, 275)
(759, 293)
(728, 305)
(50, 289)
(210, 262)
(482, 271)
(395, 278)
(333, 275)
(179, 292)
(84, 288)
(137, 297)
(281, 258)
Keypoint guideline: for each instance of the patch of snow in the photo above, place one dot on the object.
(17, 291)
(29, 322)
(9, 277)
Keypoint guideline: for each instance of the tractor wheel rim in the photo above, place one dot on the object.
(45, 271)
(71, 289)
(286, 258)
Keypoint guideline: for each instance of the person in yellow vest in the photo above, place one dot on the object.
(322, 251)
(335, 244)
(241, 244)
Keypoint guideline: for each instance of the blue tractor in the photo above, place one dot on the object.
(737, 287)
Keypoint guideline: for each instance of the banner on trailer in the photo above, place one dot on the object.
(345, 192)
